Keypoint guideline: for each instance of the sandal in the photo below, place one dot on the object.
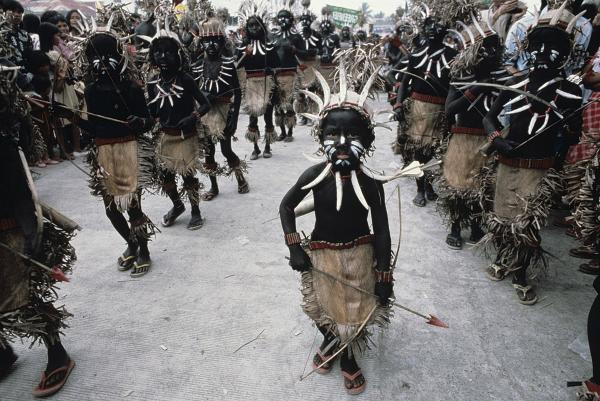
(243, 188)
(496, 272)
(140, 269)
(125, 261)
(350, 382)
(526, 294)
(318, 359)
(454, 242)
(584, 252)
(54, 381)
(255, 154)
(209, 195)
(592, 267)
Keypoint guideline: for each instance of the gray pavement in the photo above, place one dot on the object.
(173, 334)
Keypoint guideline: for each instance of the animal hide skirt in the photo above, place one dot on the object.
(338, 307)
(212, 125)
(178, 155)
(522, 204)
(27, 292)
(257, 94)
(462, 185)
(425, 130)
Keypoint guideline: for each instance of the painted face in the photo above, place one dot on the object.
(345, 138)
(490, 53)
(548, 48)
(213, 45)
(255, 29)
(346, 32)
(285, 20)
(305, 20)
(361, 36)
(103, 55)
(63, 29)
(433, 31)
(327, 27)
(166, 55)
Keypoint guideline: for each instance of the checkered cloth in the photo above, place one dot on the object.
(591, 115)
(590, 137)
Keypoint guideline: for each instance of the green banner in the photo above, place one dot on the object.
(343, 16)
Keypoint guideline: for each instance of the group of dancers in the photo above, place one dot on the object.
(157, 108)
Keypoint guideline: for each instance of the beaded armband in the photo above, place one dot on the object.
(386, 276)
(495, 134)
(292, 239)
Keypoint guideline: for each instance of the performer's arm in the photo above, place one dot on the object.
(459, 101)
(139, 121)
(383, 244)
(381, 228)
(493, 127)
(299, 260)
(491, 123)
(234, 111)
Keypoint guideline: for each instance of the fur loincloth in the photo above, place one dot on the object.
(257, 94)
(14, 273)
(119, 166)
(337, 307)
(522, 204)
(26, 304)
(120, 171)
(285, 88)
(212, 125)
(307, 75)
(466, 183)
(178, 155)
(426, 127)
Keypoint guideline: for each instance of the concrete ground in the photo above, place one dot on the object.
(178, 333)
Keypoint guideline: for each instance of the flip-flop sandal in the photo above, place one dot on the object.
(49, 384)
(522, 292)
(208, 196)
(141, 269)
(583, 252)
(349, 382)
(244, 188)
(496, 273)
(125, 262)
(592, 267)
(454, 242)
(318, 359)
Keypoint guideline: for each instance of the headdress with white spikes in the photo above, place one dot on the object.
(250, 8)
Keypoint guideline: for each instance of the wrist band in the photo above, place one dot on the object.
(385, 276)
(292, 239)
(495, 134)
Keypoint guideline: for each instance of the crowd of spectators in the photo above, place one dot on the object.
(42, 47)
